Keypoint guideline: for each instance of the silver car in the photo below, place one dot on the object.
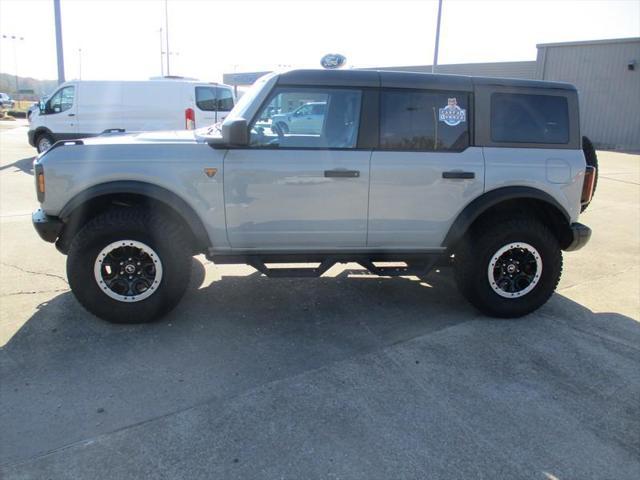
(6, 102)
(307, 118)
(486, 175)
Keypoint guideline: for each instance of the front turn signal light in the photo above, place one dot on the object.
(40, 184)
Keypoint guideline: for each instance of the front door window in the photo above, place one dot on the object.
(62, 100)
(308, 118)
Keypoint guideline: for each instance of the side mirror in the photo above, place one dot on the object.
(236, 132)
(42, 106)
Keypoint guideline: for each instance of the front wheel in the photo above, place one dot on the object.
(510, 268)
(129, 266)
(44, 142)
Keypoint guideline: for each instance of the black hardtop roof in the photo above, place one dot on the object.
(386, 78)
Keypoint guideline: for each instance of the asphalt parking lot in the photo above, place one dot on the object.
(349, 376)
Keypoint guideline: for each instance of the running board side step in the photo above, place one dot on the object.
(298, 272)
(415, 267)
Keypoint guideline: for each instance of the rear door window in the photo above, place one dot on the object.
(525, 118)
(214, 99)
(421, 120)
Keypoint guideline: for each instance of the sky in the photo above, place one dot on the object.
(120, 39)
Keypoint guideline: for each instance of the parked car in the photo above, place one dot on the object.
(305, 119)
(6, 102)
(488, 175)
(82, 109)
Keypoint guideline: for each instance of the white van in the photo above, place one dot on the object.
(88, 108)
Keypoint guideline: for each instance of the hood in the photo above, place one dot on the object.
(169, 136)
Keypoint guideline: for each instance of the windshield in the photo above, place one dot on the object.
(247, 99)
(240, 108)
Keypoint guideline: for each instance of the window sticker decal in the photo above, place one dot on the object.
(452, 114)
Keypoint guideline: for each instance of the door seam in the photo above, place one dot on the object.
(366, 238)
(224, 197)
(484, 172)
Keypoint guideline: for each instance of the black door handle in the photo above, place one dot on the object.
(457, 174)
(339, 173)
(71, 114)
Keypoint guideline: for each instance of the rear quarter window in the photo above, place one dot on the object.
(527, 118)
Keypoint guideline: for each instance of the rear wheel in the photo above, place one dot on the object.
(129, 266)
(508, 268)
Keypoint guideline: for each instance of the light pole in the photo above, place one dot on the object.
(14, 39)
(161, 55)
(177, 54)
(79, 64)
(435, 53)
(60, 55)
(166, 25)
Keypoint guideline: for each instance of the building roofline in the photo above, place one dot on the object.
(589, 42)
(447, 65)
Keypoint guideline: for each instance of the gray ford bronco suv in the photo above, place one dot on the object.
(488, 175)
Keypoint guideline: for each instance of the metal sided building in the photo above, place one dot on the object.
(607, 75)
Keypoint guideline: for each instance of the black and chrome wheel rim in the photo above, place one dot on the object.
(514, 270)
(128, 271)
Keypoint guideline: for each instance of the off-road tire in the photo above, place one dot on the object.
(165, 237)
(592, 160)
(43, 136)
(473, 255)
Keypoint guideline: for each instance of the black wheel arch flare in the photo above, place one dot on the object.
(150, 191)
(494, 198)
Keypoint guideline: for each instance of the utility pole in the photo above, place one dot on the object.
(166, 19)
(435, 53)
(56, 10)
(79, 64)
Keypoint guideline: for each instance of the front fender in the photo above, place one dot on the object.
(147, 190)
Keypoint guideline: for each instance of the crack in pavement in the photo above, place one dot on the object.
(620, 180)
(31, 292)
(595, 279)
(598, 335)
(53, 275)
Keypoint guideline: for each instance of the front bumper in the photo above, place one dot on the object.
(49, 228)
(581, 235)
